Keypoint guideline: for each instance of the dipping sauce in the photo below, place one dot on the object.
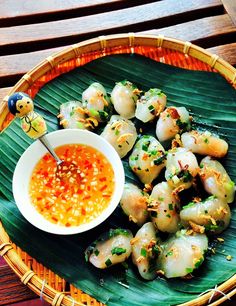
(80, 199)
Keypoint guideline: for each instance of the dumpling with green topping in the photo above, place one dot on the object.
(150, 105)
(181, 168)
(74, 116)
(213, 214)
(96, 102)
(171, 122)
(216, 180)
(182, 254)
(124, 97)
(134, 203)
(163, 207)
(111, 248)
(204, 143)
(147, 159)
(145, 251)
(121, 134)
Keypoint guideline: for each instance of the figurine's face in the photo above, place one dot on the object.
(24, 106)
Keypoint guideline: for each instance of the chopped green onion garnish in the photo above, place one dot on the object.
(96, 252)
(189, 270)
(108, 262)
(144, 148)
(118, 231)
(170, 253)
(143, 252)
(182, 125)
(118, 251)
(159, 160)
(151, 108)
(198, 263)
(191, 204)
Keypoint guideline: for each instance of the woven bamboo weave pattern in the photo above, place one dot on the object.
(159, 48)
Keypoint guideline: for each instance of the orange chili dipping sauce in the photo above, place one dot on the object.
(80, 199)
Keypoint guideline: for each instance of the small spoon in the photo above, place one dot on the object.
(22, 106)
(66, 171)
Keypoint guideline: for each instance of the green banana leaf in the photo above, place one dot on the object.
(212, 102)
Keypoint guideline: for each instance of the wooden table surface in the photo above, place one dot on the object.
(32, 30)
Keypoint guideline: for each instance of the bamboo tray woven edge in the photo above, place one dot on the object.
(104, 45)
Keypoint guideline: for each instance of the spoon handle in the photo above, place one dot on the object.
(44, 141)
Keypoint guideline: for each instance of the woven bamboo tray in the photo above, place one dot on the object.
(174, 52)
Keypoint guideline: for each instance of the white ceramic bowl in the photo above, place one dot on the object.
(35, 152)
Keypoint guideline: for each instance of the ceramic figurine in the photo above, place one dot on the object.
(22, 106)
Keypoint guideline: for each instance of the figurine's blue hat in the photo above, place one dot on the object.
(13, 100)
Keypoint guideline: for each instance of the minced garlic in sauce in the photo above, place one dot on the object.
(80, 199)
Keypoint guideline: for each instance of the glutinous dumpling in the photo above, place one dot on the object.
(212, 215)
(182, 253)
(147, 159)
(204, 143)
(171, 122)
(150, 105)
(109, 249)
(121, 134)
(74, 116)
(134, 203)
(124, 97)
(145, 251)
(96, 102)
(216, 180)
(163, 207)
(181, 168)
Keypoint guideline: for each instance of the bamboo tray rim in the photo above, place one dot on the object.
(27, 276)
